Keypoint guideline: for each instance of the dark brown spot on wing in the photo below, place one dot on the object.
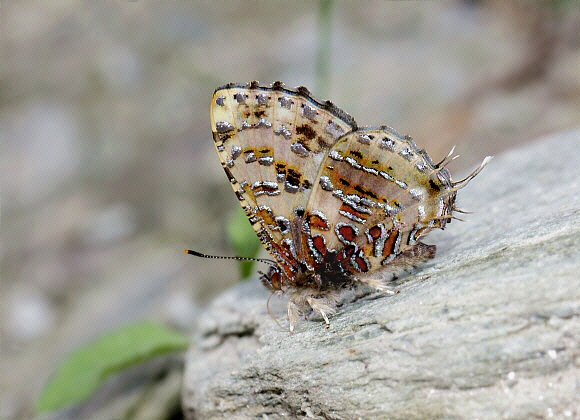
(306, 131)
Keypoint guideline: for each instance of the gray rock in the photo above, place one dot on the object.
(489, 329)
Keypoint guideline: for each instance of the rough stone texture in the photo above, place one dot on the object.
(489, 329)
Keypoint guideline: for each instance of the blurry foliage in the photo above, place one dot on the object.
(82, 372)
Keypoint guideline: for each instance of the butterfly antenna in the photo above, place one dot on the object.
(272, 313)
(219, 257)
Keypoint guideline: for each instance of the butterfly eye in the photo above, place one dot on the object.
(275, 281)
(272, 280)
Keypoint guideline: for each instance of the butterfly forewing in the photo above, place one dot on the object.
(271, 142)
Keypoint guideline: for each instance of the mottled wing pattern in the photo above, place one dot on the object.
(271, 142)
(376, 195)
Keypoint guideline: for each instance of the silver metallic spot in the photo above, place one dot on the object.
(275, 192)
(355, 198)
(386, 176)
(390, 210)
(244, 184)
(221, 148)
(352, 162)
(326, 183)
(334, 129)
(401, 184)
(283, 131)
(251, 157)
(230, 163)
(366, 202)
(236, 152)
(379, 242)
(416, 194)
(371, 171)
(322, 217)
(407, 154)
(291, 188)
(280, 177)
(220, 101)
(223, 127)
(286, 102)
(272, 188)
(352, 201)
(262, 99)
(266, 160)
(335, 155)
(270, 184)
(422, 167)
(364, 139)
(290, 245)
(352, 217)
(387, 144)
(441, 207)
(240, 97)
(421, 211)
(299, 149)
(246, 125)
(309, 112)
(283, 224)
(263, 123)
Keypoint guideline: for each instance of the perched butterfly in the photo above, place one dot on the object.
(335, 205)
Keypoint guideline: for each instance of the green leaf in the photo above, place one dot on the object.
(243, 240)
(82, 372)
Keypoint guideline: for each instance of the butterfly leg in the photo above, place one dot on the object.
(321, 306)
(294, 313)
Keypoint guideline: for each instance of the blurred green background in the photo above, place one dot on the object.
(108, 166)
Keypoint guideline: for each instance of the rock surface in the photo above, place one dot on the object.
(489, 329)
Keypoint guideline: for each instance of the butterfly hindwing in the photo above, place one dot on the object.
(378, 194)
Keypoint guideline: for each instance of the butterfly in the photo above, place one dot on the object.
(335, 205)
